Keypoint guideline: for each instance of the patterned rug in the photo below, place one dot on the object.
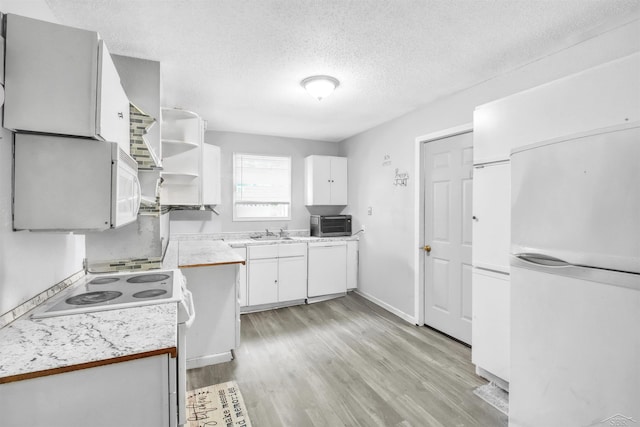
(217, 405)
(494, 396)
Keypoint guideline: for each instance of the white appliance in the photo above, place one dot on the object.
(575, 277)
(72, 184)
(130, 289)
(327, 269)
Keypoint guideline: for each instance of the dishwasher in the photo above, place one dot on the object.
(327, 268)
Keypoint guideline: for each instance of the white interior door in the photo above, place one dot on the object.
(448, 165)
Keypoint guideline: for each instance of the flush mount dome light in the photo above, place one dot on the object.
(320, 86)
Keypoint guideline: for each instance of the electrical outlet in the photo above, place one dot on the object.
(370, 211)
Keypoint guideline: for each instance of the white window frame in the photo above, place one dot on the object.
(236, 202)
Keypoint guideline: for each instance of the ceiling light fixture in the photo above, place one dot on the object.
(320, 86)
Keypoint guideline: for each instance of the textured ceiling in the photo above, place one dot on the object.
(238, 63)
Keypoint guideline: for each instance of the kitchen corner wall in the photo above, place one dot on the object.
(387, 250)
(230, 142)
(29, 262)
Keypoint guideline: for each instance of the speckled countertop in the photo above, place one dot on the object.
(32, 348)
(199, 253)
(238, 243)
(239, 240)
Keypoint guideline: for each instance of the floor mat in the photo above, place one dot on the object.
(219, 405)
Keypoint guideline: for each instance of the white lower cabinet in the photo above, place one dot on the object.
(132, 393)
(491, 322)
(292, 278)
(216, 329)
(263, 281)
(277, 273)
(327, 268)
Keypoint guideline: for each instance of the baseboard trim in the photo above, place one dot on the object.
(213, 359)
(492, 378)
(312, 300)
(404, 316)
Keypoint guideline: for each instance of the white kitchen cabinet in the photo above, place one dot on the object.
(215, 331)
(62, 80)
(292, 278)
(492, 217)
(242, 277)
(132, 393)
(325, 180)
(277, 273)
(352, 264)
(491, 322)
(263, 281)
(595, 98)
(327, 268)
(191, 168)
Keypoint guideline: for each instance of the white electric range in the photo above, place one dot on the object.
(98, 292)
(111, 291)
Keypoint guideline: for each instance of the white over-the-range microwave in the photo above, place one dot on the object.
(64, 183)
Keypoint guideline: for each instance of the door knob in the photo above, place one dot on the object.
(427, 248)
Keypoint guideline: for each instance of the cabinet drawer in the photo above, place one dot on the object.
(292, 249)
(266, 251)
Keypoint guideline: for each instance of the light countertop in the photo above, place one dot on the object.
(247, 241)
(31, 348)
(199, 253)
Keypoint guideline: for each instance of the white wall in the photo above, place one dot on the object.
(230, 142)
(388, 267)
(29, 262)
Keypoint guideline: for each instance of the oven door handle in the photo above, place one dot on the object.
(188, 296)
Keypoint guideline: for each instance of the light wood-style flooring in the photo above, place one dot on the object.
(348, 362)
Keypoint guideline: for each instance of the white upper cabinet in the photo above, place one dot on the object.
(595, 98)
(62, 80)
(492, 217)
(191, 168)
(325, 180)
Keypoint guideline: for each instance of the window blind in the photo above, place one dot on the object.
(262, 186)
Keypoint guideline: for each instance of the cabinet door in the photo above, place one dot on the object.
(492, 217)
(491, 307)
(562, 107)
(317, 180)
(338, 181)
(352, 264)
(327, 268)
(50, 77)
(292, 278)
(132, 393)
(112, 118)
(263, 281)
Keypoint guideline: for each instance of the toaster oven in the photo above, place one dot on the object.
(330, 225)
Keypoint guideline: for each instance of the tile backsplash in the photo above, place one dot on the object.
(30, 304)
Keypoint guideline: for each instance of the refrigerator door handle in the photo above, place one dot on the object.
(541, 259)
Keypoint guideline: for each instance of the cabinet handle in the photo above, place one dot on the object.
(475, 218)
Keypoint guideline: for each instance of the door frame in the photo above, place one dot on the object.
(419, 207)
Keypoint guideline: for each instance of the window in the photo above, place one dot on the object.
(261, 187)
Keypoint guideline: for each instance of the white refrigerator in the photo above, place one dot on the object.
(575, 280)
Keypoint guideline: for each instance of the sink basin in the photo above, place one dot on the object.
(270, 238)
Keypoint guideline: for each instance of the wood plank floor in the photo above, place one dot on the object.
(347, 362)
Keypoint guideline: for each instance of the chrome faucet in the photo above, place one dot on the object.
(268, 233)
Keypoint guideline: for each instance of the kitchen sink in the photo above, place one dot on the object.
(264, 237)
